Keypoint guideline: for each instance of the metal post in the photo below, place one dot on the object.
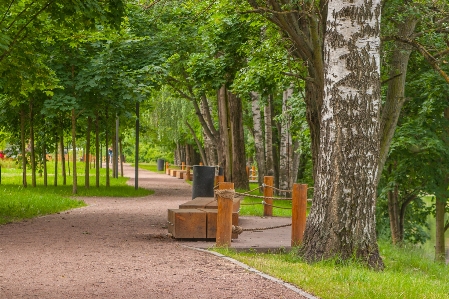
(136, 168)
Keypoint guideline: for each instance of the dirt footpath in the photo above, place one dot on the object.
(115, 248)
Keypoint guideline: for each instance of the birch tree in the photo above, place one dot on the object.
(342, 219)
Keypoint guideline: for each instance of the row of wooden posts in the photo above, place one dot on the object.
(250, 171)
(299, 211)
(224, 216)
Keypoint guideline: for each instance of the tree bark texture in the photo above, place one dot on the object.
(61, 145)
(269, 165)
(286, 145)
(97, 151)
(342, 219)
(225, 161)
(258, 136)
(239, 176)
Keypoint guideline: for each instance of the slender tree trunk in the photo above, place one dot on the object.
(55, 182)
(225, 161)
(395, 98)
(108, 183)
(198, 144)
(239, 176)
(32, 149)
(44, 163)
(258, 136)
(75, 178)
(122, 157)
(97, 151)
(285, 150)
(393, 212)
(269, 166)
(87, 154)
(61, 145)
(23, 149)
(440, 210)
(342, 219)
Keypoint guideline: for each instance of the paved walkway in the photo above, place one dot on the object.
(116, 248)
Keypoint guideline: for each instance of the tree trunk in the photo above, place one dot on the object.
(225, 161)
(285, 149)
(87, 154)
(122, 157)
(44, 163)
(61, 145)
(32, 149)
(440, 254)
(239, 176)
(342, 219)
(23, 149)
(108, 179)
(269, 166)
(97, 151)
(395, 98)
(75, 178)
(258, 136)
(55, 182)
(393, 212)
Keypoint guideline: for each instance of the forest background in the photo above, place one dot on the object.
(226, 83)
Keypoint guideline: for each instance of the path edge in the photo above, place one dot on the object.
(253, 270)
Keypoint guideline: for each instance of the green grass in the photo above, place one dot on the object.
(151, 167)
(18, 203)
(408, 274)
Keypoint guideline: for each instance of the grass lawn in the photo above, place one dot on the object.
(18, 203)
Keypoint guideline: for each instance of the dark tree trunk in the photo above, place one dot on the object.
(32, 149)
(97, 151)
(23, 149)
(240, 178)
(87, 154)
(75, 178)
(258, 136)
(61, 145)
(44, 163)
(55, 182)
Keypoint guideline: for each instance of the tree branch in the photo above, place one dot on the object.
(6, 12)
(391, 78)
(200, 147)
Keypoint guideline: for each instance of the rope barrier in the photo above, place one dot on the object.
(225, 193)
(263, 197)
(285, 208)
(238, 229)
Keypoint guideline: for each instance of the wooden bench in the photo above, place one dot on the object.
(197, 219)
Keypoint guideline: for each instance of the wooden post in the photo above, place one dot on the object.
(167, 168)
(224, 217)
(201, 163)
(299, 210)
(247, 172)
(188, 174)
(219, 179)
(268, 192)
(253, 171)
(183, 165)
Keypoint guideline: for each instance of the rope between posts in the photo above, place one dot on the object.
(263, 197)
(238, 229)
(277, 189)
(285, 208)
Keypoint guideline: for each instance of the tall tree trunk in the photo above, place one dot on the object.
(285, 150)
(23, 149)
(395, 98)
(87, 154)
(32, 149)
(393, 212)
(225, 161)
(55, 182)
(44, 163)
(258, 136)
(108, 182)
(200, 148)
(440, 210)
(97, 151)
(342, 219)
(269, 166)
(239, 176)
(122, 157)
(61, 145)
(75, 178)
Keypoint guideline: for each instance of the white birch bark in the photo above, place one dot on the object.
(342, 218)
(269, 166)
(258, 136)
(285, 150)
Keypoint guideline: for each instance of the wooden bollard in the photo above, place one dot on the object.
(247, 172)
(167, 168)
(224, 217)
(183, 165)
(268, 194)
(201, 163)
(188, 174)
(253, 172)
(219, 179)
(299, 211)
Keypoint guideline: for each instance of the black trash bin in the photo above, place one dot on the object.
(203, 181)
(160, 164)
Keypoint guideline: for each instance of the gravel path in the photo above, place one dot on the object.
(115, 248)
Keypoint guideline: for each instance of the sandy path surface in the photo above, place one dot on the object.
(115, 248)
